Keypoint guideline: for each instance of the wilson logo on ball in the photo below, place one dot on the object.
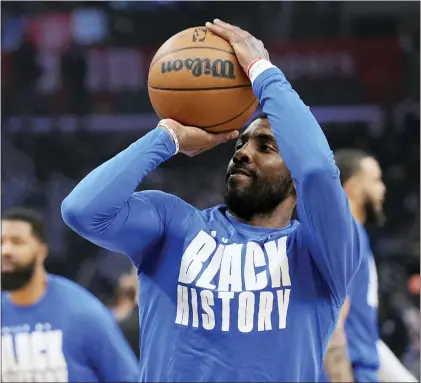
(199, 67)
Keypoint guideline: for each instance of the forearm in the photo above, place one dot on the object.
(391, 369)
(337, 364)
(300, 139)
(104, 191)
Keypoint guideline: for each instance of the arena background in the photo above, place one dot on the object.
(74, 94)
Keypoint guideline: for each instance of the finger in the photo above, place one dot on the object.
(236, 30)
(223, 24)
(219, 138)
(221, 31)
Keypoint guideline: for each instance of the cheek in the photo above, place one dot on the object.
(26, 254)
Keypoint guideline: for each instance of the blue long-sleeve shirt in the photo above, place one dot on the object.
(361, 326)
(221, 300)
(66, 336)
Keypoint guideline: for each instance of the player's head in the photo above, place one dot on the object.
(23, 247)
(361, 177)
(257, 179)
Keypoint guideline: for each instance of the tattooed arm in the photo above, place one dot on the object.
(336, 363)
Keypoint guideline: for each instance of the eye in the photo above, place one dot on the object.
(266, 148)
(239, 146)
(18, 241)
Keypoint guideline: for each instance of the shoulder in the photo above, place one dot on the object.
(297, 234)
(80, 301)
(4, 299)
(165, 204)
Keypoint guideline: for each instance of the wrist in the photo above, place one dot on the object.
(171, 131)
(251, 64)
(257, 67)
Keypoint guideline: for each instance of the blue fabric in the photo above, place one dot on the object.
(221, 300)
(67, 336)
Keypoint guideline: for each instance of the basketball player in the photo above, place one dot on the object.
(361, 178)
(52, 329)
(236, 292)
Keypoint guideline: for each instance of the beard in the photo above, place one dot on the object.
(374, 215)
(15, 280)
(259, 198)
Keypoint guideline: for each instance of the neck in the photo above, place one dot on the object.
(279, 218)
(32, 291)
(123, 309)
(358, 211)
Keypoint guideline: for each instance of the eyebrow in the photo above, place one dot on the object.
(261, 136)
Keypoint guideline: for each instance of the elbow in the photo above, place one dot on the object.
(322, 167)
(72, 213)
(320, 175)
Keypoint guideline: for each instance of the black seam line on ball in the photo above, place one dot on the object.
(220, 123)
(198, 89)
(188, 48)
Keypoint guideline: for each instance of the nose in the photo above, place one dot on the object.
(242, 155)
(383, 189)
(6, 249)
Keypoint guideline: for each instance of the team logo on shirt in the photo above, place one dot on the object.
(33, 355)
(252, 279)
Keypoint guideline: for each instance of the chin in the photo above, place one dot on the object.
(238, 180)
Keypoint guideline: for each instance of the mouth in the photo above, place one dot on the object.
(239, 172)
(7, 267)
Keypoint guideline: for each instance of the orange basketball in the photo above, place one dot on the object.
(195, 79)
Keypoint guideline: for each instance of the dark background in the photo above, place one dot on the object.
(74, 94)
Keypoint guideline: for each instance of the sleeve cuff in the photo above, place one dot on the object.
(167, 140)
(258, 68)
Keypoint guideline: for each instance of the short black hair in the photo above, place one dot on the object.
(30, 216)
(349, 162)
(260, 116)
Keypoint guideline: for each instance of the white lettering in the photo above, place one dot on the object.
(196, 253)
(39, 349)
(213, 273)
(283, 303)
(39, 355)
(265, 311)
(230, 274)
(8, 360)
(254, 258)
(245, 311)
(205, 279)
(226, 298)
(182, 305)
(194, 308)
(208, 319)
(278, 262)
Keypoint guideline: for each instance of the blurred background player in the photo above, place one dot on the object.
(53, 329)
(370, 358)
(126, 310)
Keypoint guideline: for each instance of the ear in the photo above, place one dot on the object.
(352, 188)
(43, 252)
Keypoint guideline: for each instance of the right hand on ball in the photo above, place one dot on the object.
(193, 141)
(246, 47)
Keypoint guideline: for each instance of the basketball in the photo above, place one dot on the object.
(196, 79)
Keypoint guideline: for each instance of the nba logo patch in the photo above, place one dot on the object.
(199, 35)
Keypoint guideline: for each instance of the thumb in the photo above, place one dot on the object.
(222, 137)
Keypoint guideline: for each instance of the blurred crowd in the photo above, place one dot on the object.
(73, 72)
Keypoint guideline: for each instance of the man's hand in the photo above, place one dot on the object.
(246, 47)
(193, 141)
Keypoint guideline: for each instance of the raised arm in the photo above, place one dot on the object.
(323, 209)
(104, 208)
